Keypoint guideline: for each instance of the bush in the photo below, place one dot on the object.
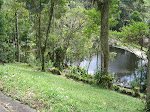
(49, 64)
(31, 59)
(79, 74)
(59, 58)
(106, 80)
(140, 80)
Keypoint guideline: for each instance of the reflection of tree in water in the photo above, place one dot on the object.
(132, 62)
(124, 60)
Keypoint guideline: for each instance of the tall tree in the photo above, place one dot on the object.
(43, 49)
(17, 36)
(39, 30)
(43, 24)
(1, 2)
(148, 80)
(17, 11)
(103, 6)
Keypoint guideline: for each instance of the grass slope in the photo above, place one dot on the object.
(47, 92)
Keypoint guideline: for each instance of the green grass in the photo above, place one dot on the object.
(51, 93)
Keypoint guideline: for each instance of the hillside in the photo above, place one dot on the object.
(49, 92)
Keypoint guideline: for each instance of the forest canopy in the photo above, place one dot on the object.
(59, 32)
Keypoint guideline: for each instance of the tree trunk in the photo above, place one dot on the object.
(104, 8)
(148, 80)
(1, 3)
(141, 67)
(17, 34)
(43, 59)
(97, 58)
(40, 46)
(47, 33)
(26, 54)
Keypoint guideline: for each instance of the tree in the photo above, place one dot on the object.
(127, 8)
(148, 80)
(103, 6)
(15, 16)
(135, 32)
(46, 14)
(1, 2)
(17, 10)
(2, 36)
(43, 49)
(17, 35)
(74, 21)
(136, 16)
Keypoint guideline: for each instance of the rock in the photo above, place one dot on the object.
(137, 94)
(55, 71)
(2, 62)
(123, 91)
(129, 93)
(116, 88)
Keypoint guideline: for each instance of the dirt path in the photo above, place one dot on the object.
(7, 104)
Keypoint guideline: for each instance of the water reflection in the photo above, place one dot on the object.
(123, 67)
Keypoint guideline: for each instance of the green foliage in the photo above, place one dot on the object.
(49, 64)
(59, 58)
(6, 49)
(31, 59)
(105, 80)
(2, 73)
(9, 42)
(79, 74)
(60, 8)
(2, 24)
(140, 79)
(55, 70)
(133, 32)
(136, 16)
(93, 22)
(114, 13)
(1, 2)
(112, 56)
(148, 103)
(132, 10)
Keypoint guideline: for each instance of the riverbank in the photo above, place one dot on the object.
(131, 48)
(49, 92)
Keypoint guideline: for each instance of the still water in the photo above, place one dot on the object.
(124, 66)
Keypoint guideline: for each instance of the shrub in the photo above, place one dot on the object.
(79, 74)
(140, 80)
(31, 59)
(105, 80)
(49, 64)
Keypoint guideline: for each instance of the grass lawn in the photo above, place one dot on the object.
(51, 93)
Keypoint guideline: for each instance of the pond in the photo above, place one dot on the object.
(124, 66)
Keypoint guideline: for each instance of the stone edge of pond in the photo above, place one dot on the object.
(128, 91)
(137, 52)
